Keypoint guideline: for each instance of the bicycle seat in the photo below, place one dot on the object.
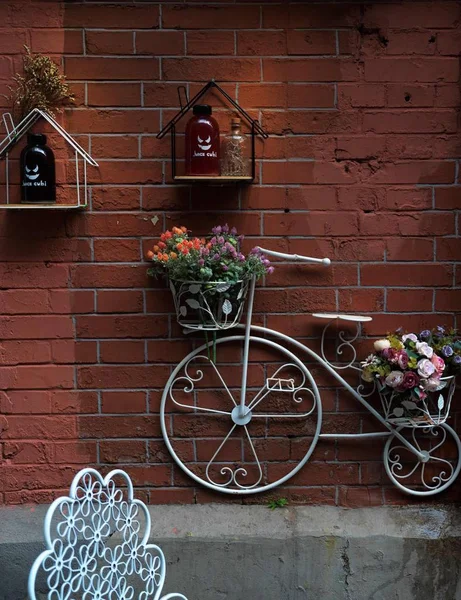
(331, 316)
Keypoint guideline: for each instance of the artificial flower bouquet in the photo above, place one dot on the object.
(411, 371)
(208, 276)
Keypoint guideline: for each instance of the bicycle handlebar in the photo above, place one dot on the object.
(322, 261)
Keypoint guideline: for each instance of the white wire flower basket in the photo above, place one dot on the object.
(430, 412)
(211, 305)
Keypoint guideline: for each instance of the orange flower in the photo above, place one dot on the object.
(165, 257)
(150, 254)
(162, 245)
(183, 229)
(179, 246)
(173, 255)
(185, 250)
(177, 231)
(159, 255)
(156, 249)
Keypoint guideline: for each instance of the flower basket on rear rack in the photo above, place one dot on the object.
(211, 305)
(433, 410)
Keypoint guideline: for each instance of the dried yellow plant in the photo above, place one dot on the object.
(41, 85)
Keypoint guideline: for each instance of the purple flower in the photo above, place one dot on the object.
(424, 335)
(240, 257)
(403, 360)
(213, 241)
(220, 240)
(216, 256)
(233, 231)
(201, 262)
(447, 351)
(225, 268)
(457, 360)
(225, 228)
(270, 270)
(217, 230)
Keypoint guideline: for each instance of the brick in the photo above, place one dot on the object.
(26, 453)
(24, 302)
(35, 327)
(115, 146)
(441, 121)
(108, 276)
(110, 198)
(72, 301)
(92, 68)
(410, 275)
(295, 16)
(409, 95)
(310, 42)
(414, 70)
(361, 300)
(71, 402)
(200, 69)
(448, 249)
(109, 42)
(113, 225)
(122, 451)
(310, 96)
(441, 15)
(122, 301)
(118, 17)
(411, 172)
(343, 223)
(361, 96)
(75, 452)
(448, 42)
(55, 41)
(103, 426)
(410, 42)
(262, 43)
(39, 275)
(25, 402)
(108, 326)
(114, 121)
(403, 301)
(210, 17)
(305, 172)
(14, 353)
(408, 249)
(354, 497)
(115, 250)
(311, 69)
(447, 96)
(123, 402)
(36, 377)
(122, 352)
(447, 300)
(114, 94)
(161, 94)
(159, 42)
(211, 42)
(448, 198)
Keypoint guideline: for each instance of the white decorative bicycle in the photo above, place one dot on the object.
(236, 402)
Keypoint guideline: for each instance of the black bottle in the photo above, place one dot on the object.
(38, 177)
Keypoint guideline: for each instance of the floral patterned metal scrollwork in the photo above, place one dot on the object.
(79, 561)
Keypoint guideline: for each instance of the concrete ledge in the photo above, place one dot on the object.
(218, 552)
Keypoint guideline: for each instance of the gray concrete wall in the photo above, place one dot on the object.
(221, 552)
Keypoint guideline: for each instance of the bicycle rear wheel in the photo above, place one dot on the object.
(231, 450)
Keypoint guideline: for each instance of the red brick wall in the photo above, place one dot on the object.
(361, 101)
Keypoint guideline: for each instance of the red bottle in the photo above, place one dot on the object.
(202, 143)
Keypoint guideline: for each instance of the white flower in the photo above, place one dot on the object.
(380, 345)
(394, 379)
(409, 336)
(424, 349)
(425, 368)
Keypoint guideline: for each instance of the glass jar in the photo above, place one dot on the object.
(236, 152)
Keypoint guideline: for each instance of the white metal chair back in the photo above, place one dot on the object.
(79, 563)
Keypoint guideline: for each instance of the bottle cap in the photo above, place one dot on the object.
(202, 109)
(36, 139)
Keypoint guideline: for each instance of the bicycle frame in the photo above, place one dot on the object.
(243, 409)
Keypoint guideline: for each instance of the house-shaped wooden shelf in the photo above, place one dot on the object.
(14, 135)
(254, 127)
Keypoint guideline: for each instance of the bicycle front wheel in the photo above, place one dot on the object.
(234, 448)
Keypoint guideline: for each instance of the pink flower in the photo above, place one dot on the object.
(425, 368)
(410, 380)
(402, 359)
(438, 363)
(390, 354)
(394, 379)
